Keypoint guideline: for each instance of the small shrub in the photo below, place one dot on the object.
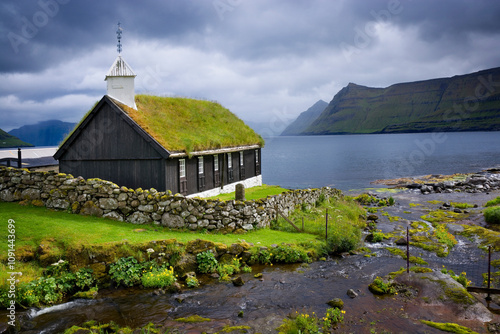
(159, 278)
(444, 236)
(493, 202)
(192, 282)
(332, 317)
(207, 263)
(262, 256)
(289, 254)
(492, 215)
(126, 271)
(462, 278)
(377, 236)
(379, 287)
(84, 278)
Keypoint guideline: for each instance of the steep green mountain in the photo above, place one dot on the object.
(468, 102)
(46, 133)
(305, 119)
(7, 140)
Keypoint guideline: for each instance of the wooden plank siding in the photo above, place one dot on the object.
(108, 148)
(109, 145)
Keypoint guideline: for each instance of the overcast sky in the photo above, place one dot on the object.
(265, 60)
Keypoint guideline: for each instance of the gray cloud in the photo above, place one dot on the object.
(259, 58)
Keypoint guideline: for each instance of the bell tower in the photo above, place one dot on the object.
(120, 77)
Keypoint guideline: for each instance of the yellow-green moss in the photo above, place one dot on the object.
(193, 319)
(187, 125)
(449, 327)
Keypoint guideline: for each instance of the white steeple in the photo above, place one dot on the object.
(120, 78)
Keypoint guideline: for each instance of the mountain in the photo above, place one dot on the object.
(47, 133)
(305, 119)
(468, 102)
(7, 140)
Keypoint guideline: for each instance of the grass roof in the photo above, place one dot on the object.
(189, 125)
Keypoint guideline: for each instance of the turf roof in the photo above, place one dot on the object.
(189, 125)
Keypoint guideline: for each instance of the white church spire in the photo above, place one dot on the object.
(120, 77)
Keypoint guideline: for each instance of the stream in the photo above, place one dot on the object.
(284, 289)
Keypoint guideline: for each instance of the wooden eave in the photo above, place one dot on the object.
(215, 151)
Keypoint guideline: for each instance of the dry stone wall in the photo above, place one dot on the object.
(101, 198)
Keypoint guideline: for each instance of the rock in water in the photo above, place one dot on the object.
(238, 281)
(336, 303)
(351, 293)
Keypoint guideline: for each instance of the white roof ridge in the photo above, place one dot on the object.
(120, 68)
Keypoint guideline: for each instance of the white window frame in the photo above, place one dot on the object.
(201, 167)
(216, 163)
(229, 161)
(242, 158)
(256, 156)
(182, 167)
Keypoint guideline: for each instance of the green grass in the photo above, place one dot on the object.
(8, 140)
(183, 124)
(254, 193)
(344, 223)
(493, 202)
(33, 224)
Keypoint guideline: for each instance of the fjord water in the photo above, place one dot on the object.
(351, 162)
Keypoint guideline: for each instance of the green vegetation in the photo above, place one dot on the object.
(488, 237)
(193, 319)
(379, 287)
(493, 202)
(158, 278)
(366, 199)
(449, 327)
(254, 193)
(421, 106)
(462, 278)
(442, 216)
(8, 140)
(207, 263)
(188, 125)
(311, 324)
(492, 215)
(344, 222)
(44, 237)
(460, 205)
(400, 252)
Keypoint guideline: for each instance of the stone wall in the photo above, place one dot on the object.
(101, 198)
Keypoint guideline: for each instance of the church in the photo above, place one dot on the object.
(188, 146)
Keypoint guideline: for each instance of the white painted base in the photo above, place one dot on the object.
(229, 188)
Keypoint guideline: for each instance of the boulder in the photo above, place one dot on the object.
(336, 303)
(172, 221)
(108, 203)
(351, 293)
(139, 218)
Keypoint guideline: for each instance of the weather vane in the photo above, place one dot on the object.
(119, 36)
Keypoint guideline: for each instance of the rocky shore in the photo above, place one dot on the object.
(482, 182)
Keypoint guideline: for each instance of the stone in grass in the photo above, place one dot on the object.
(239, 192)
(238, 281)
(336, 303)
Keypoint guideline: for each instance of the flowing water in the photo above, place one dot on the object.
(282, 290)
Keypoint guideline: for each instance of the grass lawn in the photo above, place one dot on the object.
(33, 224)
(254, 193)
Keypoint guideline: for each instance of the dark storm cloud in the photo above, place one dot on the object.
(37, 34)
(257, 57)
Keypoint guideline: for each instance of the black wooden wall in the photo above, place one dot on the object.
(108, 148)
